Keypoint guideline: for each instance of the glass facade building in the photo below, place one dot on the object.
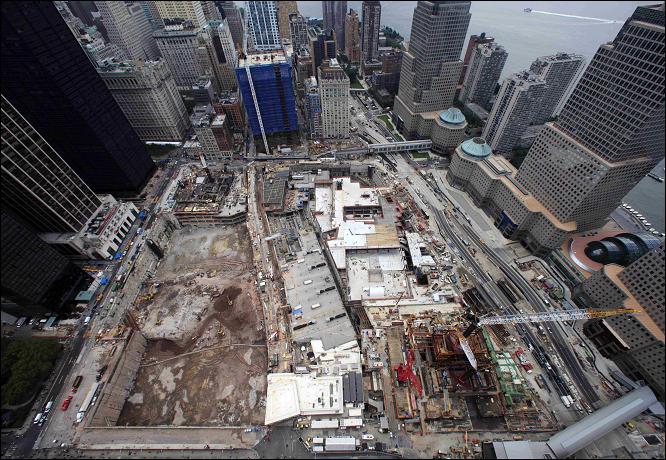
(50, 80)
(275, 96)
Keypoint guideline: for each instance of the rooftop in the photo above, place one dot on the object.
(476, 147)
(321, 293)
(290, 395)
(452, 116)
(262, 58)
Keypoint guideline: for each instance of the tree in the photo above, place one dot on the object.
(25, 364)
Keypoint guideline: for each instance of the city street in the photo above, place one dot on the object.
(31, 435)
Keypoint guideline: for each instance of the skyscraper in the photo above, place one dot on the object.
(233, 17)
(561, 72)
(210, 10)
(188, 10)
(635, 343)
(334, 95)
(313, 107)
(49, 79)
(298, 28)
(284, 9)
(353, 38)
(610, 132)
(473, 42)
(263, 24)
(518, 98)
(177, 42)
(129, 28)
(484, 70)
(148, 96)
(273, 87)
(36, 183)
(371, 17)
(33, 275)
(431, 67)
(322, 46)
(334, 20)
(221, 54)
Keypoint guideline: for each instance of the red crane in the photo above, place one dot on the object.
(406, 372)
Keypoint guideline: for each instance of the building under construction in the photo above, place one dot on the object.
(266, 86)
(207, 198)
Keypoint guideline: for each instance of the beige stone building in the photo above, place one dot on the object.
(148, 96)
(334, 95)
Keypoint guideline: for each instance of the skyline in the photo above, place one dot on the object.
(266, 240)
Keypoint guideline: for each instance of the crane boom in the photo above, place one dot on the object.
(561, 315)
(249, 80)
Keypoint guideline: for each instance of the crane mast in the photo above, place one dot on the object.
(249, 77)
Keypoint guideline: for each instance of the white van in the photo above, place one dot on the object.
(87, 320)
(48, 407)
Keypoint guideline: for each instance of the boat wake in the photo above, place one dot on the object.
(604, 21)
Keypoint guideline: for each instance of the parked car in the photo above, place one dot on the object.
(65, 403)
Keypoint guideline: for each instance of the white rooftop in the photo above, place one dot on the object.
(416, 243)
(290, 395)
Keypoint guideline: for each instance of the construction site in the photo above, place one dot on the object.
(205, 361)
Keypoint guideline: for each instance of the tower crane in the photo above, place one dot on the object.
(541, 317)
(249, 79)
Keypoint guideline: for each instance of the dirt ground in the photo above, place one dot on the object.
(205, 364)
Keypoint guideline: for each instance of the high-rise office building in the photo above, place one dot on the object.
(610, 132)
(263, 24)
(334, 20)
(48, 78)
(235, 21)
(561, 73)
(213, 133)
(485, 68)
(152, 14)
(284, 10)
(634, 343)
(273, 87)
(334, 95)
(353, 38)
(304, 69)
(518, 98)
(83, 11)
(431, 67)
(37, 184)
(211, 12)
(129, 28)
(192, 11)
(222, 55)
(33, 275)
(313, 107)
(322, 47)
(474, 41)
(229, 104)
(148, 96)
(371, 16)
(298, 28)
(177, 42)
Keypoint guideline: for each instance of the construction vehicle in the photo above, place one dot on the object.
(406, 372)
